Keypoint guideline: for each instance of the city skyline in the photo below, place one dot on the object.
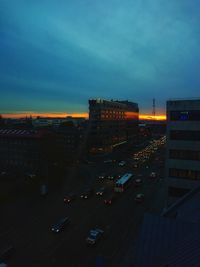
(74, 115)
(55, 57)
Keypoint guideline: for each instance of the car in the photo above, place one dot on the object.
(118, 176)
(153, 175)
(110, 199)
(102, 176)
(69, 198)
(110, 176)
(101, 191)
(122, 163)
(60, 225)
(94, 236)
(139, 198)
(137, 182)
(87, 193)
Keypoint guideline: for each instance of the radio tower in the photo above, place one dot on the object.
(154, 109)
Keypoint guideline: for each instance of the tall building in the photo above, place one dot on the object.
(183, 147)
(111, 123)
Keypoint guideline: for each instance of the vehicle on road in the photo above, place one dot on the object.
(60, 225)
(110, 177)
(101, 191)
(87, 193)
(137, 182)
(69, 198)
(110, 199)
(102, 176)
(123, 183)
(122, 163)
(94, 236)
(43, 190)
(153, 175)
(139, 198)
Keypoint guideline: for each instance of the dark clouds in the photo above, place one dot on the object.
(56, 56)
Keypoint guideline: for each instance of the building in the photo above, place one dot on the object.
(26, 151)
(171, 239)
(111, 123)
(183, 147)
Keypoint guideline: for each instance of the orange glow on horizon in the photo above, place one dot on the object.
(42, 115)
(150, 117)
(74, 115)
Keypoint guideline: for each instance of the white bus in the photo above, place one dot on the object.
(123, 182)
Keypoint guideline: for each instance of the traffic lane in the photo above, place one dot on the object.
(76, 250)
(24, 226)
(94, 218)
(114, 214)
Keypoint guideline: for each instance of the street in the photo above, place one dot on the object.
(26, 224)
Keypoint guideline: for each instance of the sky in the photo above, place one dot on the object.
(55, 55)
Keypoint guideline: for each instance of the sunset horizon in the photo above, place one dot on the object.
(85, 115)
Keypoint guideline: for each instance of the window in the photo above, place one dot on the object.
(184, 174)
(185, 115)
(184, 154)
(185, 135)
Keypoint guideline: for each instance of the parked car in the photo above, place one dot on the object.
(60, 225)
(139, 198)
(122, 163)
(69, 198)
(94, 236)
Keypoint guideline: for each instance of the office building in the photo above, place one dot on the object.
(183, 147)
(111, 123)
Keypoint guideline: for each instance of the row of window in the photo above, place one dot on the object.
(185, 135)
(184, 174)
(185, 115)
(184, 154)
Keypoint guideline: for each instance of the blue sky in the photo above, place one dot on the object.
(54, 57)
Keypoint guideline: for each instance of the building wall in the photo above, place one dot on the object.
(111, 123)
(183, 147)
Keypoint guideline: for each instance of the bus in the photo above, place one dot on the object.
(123, 182)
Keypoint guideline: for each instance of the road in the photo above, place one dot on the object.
(26, 224)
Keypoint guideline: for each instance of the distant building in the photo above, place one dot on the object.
(183, 147)
(111, 123)
(56, 122)
(28, 151)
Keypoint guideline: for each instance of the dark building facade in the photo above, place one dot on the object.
(183, 147)
(111, 123)
(27, 151)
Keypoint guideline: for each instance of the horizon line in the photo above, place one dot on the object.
(73, 115)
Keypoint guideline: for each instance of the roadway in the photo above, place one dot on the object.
(26, 224)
